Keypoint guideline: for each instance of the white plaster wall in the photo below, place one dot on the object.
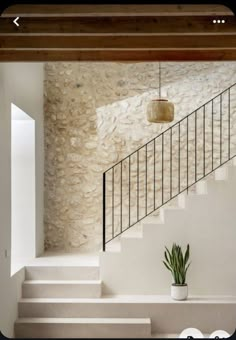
(21, 84)
(207, 223)
(23, 192)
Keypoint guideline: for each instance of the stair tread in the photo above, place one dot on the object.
(172, 207)
(62, 266)
(85, 320)
(58, 282)
(135, 299)
(132, 234)
(153, 219)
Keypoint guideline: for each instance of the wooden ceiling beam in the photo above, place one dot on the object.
(119, 25)
(121, 33)
(118, 42)
(117, 56)
(115, 10)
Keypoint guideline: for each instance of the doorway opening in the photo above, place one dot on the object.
(22, 188)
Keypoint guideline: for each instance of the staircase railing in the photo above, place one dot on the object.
(169, 164)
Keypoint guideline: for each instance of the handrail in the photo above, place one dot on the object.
(199, 145)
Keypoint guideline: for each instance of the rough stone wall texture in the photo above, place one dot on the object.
(95, 114)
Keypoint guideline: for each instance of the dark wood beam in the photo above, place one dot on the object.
(118, 56)
(119, 25)
(115, 10)
(125, 33)
(119, 42)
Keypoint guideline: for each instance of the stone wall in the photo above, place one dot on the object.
(95, 114)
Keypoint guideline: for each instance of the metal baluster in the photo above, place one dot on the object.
(187, 154)
(204, 141)
(104, 212)
(112, 202)
(195, 146)
(146, 178)
(179, 158)
(171, 163)
(154, 169)
(121, 182)
(162, 178)
(105, 241)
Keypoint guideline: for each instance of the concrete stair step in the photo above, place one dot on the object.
(171, 213)
(205, 313)
(61, 289)
(62, 272)
(83, 327)
(201, 187)
(114, 246)
(221, 174)
(133, 232)
(153, 220)
(233, 161)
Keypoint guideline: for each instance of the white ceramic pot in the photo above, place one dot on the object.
(160, 111)
(179, 292)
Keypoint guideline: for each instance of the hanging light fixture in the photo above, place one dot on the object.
(160, 110)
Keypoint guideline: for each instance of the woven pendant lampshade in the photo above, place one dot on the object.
(160, 110)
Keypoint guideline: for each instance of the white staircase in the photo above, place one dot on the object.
(46, 307)
(207, 210)
(165, 315)
(61, 288)
(62, 272)
(128, 294)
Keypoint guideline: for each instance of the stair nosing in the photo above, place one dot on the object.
(61, 282)
(126, 299)
(105, 320)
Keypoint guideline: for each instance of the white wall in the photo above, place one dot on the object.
(21, 84)
(22, 188)
(207, 223)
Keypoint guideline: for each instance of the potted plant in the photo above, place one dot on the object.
(177, 263)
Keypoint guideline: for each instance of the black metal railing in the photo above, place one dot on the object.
(169, 164)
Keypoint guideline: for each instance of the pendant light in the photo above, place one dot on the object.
(160, 110)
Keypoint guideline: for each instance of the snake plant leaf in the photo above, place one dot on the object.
(175, 276)
(181, 258)
(172, 250)
(182, 276)
(186, 256)
(167, 259)
(169, 254)
(167, 266)
(187, 268)
(174, 261)
(179, 278)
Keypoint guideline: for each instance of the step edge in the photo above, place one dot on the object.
(62, 282)
(134, 321)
